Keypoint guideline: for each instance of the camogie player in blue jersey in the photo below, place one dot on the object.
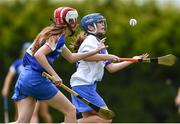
(46, 48)
(90, 70)
(14, 71)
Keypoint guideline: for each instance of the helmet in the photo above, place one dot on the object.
(91, 19)
(64, 15)
(26, 45)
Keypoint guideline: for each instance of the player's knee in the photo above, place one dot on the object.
(23, 120)
(71, 110)
(101, 120)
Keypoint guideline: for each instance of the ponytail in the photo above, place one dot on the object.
(51, 33)
(78, 41)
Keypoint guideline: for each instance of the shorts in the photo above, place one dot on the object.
(89, 92)
(31, 83)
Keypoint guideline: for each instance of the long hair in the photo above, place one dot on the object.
(78, 41)
(50, 33)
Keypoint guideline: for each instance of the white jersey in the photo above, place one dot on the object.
(88, 72)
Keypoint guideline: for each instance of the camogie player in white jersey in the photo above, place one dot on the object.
(90, 70)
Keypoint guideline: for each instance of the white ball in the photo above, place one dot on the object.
(132, 22)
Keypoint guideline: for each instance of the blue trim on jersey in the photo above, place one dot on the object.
(107, 62)
(103, 51)
(51, 57)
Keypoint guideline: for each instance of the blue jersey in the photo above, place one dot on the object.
(17, 66)
(30, 60)
(30, 82)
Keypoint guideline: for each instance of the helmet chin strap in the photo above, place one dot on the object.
(95, 33)
(100, 35)
(69, 27)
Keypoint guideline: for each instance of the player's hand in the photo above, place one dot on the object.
(145, 55)
(56, 80)
(113, 58)
(101, 45)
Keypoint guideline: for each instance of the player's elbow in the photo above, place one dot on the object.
(71, 60)
(111, 70)
(37, 55)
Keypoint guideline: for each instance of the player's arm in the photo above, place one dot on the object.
(73, 57)
(102, 57)
(7, 83)
(40, 55)
(114, 67)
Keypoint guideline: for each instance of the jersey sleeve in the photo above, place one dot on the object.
(87, 48)
(89, 44)
(107, 62)
(104, 51)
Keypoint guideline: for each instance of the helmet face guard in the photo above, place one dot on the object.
(71, 17)
(66, 16)
(92, 20)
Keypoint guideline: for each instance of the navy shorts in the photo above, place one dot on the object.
(31, 83)
(89, 92)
